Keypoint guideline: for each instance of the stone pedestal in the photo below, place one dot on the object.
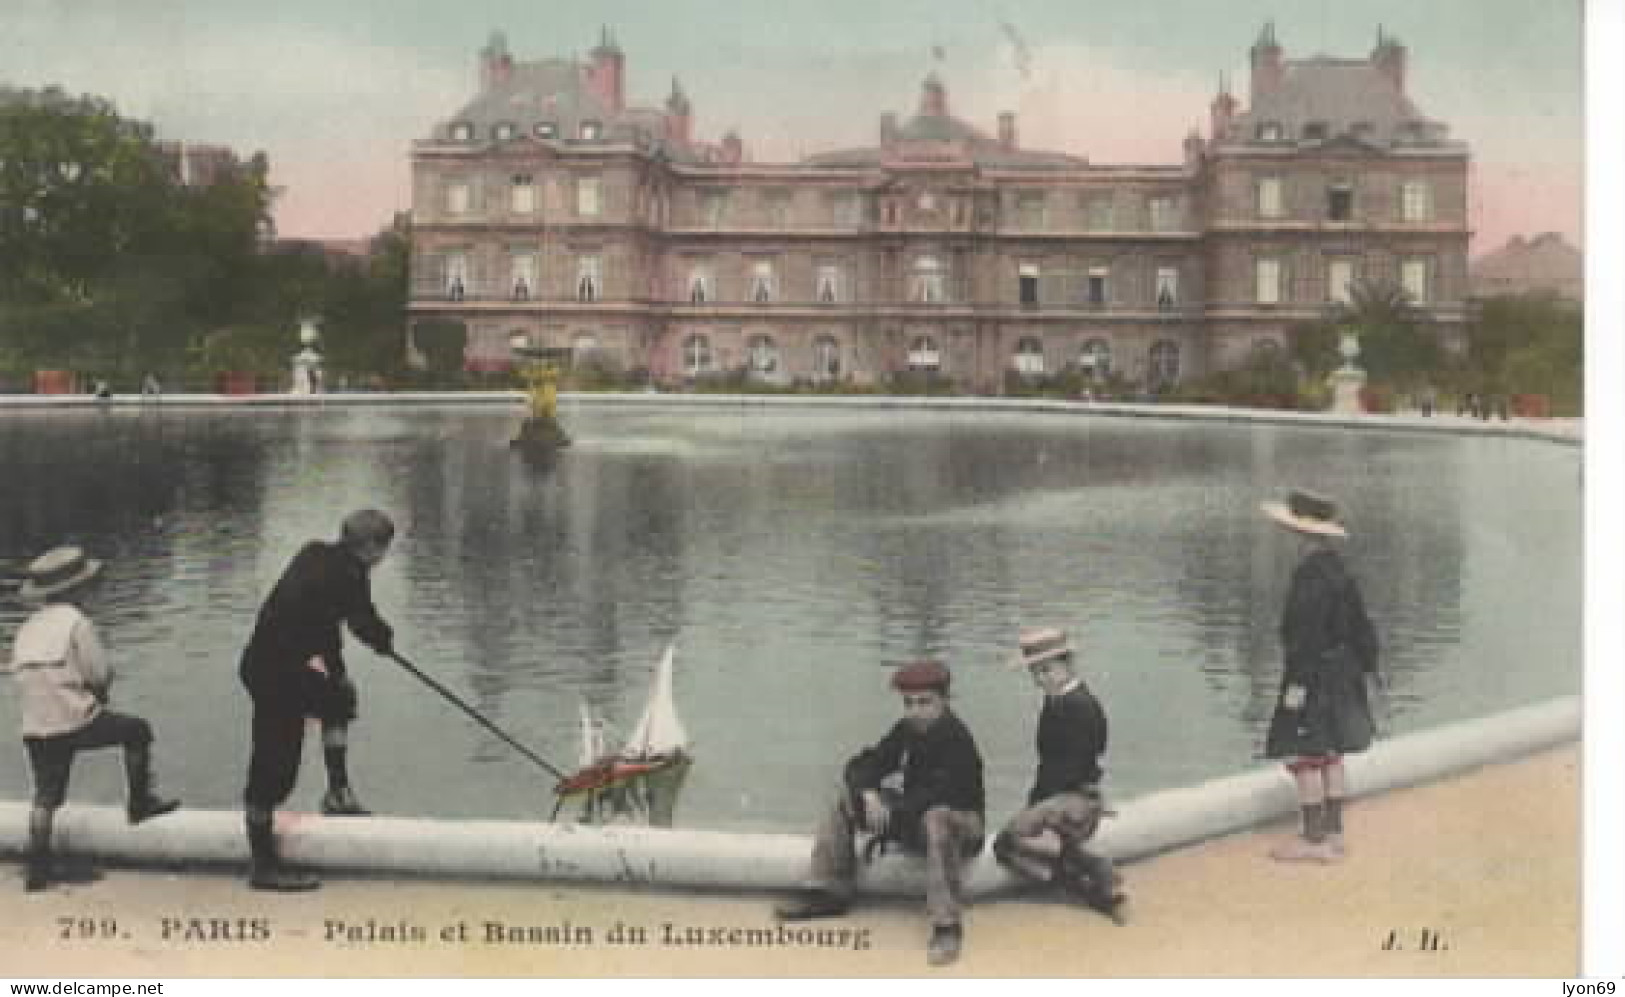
(1346, 384)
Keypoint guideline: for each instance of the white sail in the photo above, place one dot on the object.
(659, 731)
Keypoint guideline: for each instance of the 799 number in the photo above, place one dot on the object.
(86, 929)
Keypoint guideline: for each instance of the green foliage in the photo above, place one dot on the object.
(1529, 344)
(442, 343)
(1398, 345)
(1269, 379)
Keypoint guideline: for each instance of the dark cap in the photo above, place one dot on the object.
(921, 675)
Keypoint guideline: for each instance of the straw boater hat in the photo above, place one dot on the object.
(1307, 513)
(1038, 645)
(57, 571)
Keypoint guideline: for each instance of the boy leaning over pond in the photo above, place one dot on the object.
(62, 677)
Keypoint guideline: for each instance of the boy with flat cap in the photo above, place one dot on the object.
(63, 677)
(921, 786)
(293, 669)
(1045, 841)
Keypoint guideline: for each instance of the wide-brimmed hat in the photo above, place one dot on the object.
(1308, 513)
(921, 675)
(1038, 645)
(57, 571)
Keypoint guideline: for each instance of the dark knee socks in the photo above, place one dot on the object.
(338, 769)
(1314, 822)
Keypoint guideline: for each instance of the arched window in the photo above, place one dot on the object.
(1163, 369)
(1029, 358)
(462, 131)
(826, 358)
(923, 355)
(1095, 359)
(696, 355)
(763, 356)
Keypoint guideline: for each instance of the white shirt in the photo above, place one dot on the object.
(61, 669)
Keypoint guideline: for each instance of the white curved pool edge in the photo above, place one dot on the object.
(715, 860)
(1566, 431)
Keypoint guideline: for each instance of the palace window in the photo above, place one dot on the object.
(1164, 214)
(547, 129)
(846, 209)
(588, 191)
(462, 131)
(826, 358)
(1097, 212)
(1096, 359)
(522, 195)
(522, 271)
(1031, 211)
(1163, 367)
(1340, 281)
(1167, 288)
(1269, 197)
(699, 286)
(589, 278)
(776, 203)
(503, 131)
(828, 284)
(923, 355)
(763, 355)
(714, 206)
(591, 131)
(1315, 131)
(1340, 201)
(1270, 131)
(761, 282)
(930, 280)
(1415, 201)
(1027, 284)
(1095, 289)
(1029, 358)
(1413, 277)
(456, 276)
(1267, 282)
(696, 355)
(457, 198)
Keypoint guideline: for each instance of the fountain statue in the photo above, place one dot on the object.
(1347, 380)
(307, 363)
(540, 435)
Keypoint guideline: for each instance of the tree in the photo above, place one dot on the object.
(442, 343)
(1398, 345)
(1530, 344)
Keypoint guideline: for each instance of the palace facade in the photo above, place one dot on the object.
(549, 210)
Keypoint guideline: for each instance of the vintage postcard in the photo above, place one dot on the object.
(852, 490)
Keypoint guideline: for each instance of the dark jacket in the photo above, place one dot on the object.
(1329, 646)
(1071, 739)
(940, 767)
(324, 586)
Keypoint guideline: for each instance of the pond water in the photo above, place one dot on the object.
(791, 555)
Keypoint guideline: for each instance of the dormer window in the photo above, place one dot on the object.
(1314, 131)
(462, 131)
(547, 129)
(591, 131)
(1269, 131)
(504, 131)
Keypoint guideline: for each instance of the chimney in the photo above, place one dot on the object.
(733, 148)
(888, 128)
(933, 98)
(496, 65)
(1193, 147)
(1268, 68)
(608, 72)
(1007, 130)
(1389, 58)
(1221, 113)
(679, 116)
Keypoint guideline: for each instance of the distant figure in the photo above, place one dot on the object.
(294, 668)
(1045, 841)
(1429, 400)
(1330, 647)
(63, 677)
(102, 390)
(920, 786)
(150, 386)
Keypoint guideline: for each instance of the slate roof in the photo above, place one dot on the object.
(1340, 93)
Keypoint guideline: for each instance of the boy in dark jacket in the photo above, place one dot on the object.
(1044, 842)
(921, 786)
(294, 668)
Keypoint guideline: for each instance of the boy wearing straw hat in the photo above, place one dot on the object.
(1045, 841)
(294, 669)
(1330, 648)
(63, 677)
(936, 808)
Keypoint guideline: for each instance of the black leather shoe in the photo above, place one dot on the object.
(149, 807)
(810, 904)
(343, 803)
(944, 945)
(281, 879)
